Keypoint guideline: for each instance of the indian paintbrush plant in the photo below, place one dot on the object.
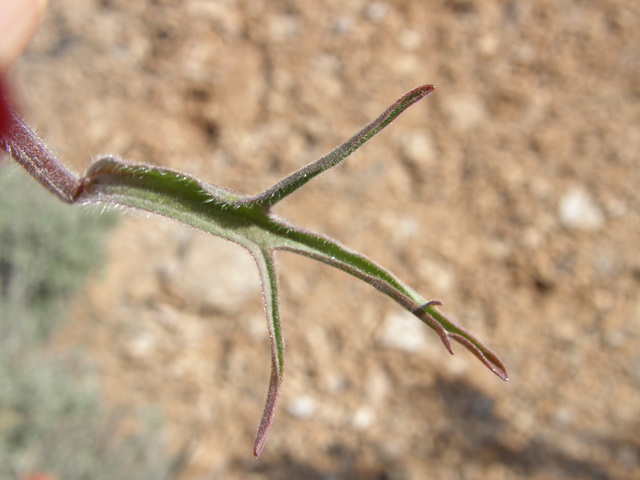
(247, 220)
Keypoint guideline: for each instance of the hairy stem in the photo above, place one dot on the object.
(24, 146)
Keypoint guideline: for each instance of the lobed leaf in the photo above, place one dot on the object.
(247, 221)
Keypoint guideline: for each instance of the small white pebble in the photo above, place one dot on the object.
(301, 407)
(343, 25)
(563, 417)
(409, 40)
(404, 331)
(465, 111)
(284, 28)
(578, 211)
(376, 11)
(488, 45)
(363, 418)
(440, 275)
(418, 147)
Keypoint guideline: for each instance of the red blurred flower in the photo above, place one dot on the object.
(5, 111)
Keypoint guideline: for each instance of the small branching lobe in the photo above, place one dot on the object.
(247, 221)
(298, 178)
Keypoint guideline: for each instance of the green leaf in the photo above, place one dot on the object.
(247, 221)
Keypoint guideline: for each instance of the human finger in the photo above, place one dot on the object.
(19, 20)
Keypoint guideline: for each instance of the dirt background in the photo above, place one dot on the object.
(512, 194)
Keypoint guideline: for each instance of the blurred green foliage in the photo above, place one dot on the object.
(46, 250)
(51, 417)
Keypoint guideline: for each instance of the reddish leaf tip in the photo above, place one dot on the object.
(486, 356)
(258, 446)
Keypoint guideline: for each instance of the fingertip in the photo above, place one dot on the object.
(18, 22)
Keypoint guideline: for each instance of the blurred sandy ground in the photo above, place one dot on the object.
(512, 194)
